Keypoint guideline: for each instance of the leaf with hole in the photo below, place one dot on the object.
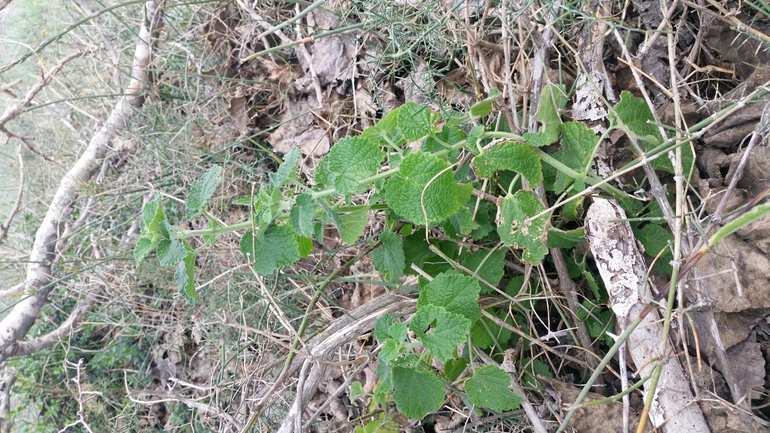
(517, 230)
(439, 330)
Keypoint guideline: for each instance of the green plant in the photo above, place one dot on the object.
(438, 187)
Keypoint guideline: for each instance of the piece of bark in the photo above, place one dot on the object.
(623, 270)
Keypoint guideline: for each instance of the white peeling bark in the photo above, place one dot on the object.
(39, 281)
(623, 270)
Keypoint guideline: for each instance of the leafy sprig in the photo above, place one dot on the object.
(438, 187)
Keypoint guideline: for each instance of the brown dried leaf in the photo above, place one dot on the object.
(735, 276)
(236, 107)
(604, 418)
(748, 365)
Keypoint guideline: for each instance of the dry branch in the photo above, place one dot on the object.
(17, 203)
(342, 331)
(39, 281)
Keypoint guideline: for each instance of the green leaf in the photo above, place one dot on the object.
(456, 293)
(487, 265)
(514, 229)
(382, 424)
(565, 239)
(212, 238)
(185, 276)
(484, 329)
(422, 172)
(331, 216)
(472, 141)
(271, 248)
(302, 215)
(353, 225)
(454, 368)
(264, 205)
(414, 121)
(489, 388)
(484, 218)
(449, 135)
(525, 292)
(356, 390)
(170, 252)
(305, 246)
(152, 216)
(350, 161)
(534, 367)
(578, 144)
(461, 223)
(288, 168)
(382, 326)
(201, 192)
(509, 155)
(439, 330)
(417, 393)
(538, 139)
(389, 258)
(385, 132)
(243, 201)
(416, 250)
(552, 101)
(484, 107)
(573, 209)
(637, 116)
(144, 245)
(390, 351)
(656, 239)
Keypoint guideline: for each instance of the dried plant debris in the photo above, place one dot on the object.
(603, 418)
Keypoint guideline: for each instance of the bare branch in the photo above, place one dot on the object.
(40, 279)
(24, 348)
(11, 112)
(16, 204)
